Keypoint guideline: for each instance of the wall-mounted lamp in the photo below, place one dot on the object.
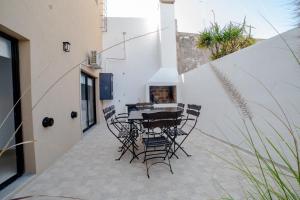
(66, 46)
(73, 114)
(47, 122)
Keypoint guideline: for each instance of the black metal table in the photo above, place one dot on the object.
(136, 116)
(131, 107)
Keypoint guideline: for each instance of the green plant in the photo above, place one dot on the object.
(224, 41)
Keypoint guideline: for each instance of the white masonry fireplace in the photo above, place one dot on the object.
(163, 87)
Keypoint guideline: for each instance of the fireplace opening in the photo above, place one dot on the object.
(162, 94)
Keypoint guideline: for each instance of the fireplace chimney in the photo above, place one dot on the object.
(168, 34)
(166, 78)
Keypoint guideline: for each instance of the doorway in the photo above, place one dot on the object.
(88, 101)
(11, 162)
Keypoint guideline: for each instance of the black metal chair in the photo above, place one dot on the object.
(119, 127)
(142, 106)
(181, 134)
(180, 106)
(157, 145)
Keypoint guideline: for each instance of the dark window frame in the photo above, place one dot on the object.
(17, 110)
(86, 76)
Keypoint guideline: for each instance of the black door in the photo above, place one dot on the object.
(88, 101)
(11, 161)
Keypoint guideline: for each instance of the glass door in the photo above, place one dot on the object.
(91, 101)
(11, 161)
(88, 101)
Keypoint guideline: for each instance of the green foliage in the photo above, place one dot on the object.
(223, 41)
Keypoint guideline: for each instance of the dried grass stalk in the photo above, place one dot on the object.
(235, 96)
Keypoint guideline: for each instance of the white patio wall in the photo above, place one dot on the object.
(142, 59)
(270, 62)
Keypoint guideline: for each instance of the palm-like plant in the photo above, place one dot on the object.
(223, 41)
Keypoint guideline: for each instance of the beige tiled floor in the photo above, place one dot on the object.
(89, 171)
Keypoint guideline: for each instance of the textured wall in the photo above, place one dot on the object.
(188, 56)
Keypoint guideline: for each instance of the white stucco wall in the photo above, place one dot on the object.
(270, 62)
(142, 59)
(41, 27)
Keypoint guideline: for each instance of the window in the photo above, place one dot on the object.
(11, 162)
(88, 101)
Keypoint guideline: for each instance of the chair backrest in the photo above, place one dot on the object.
(193, 110)
(109, 112)
(107, 109)
(161, 119)
(193, 113)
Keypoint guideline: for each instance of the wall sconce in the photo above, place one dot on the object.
(66, 46)
(47, 122)
(73, 114)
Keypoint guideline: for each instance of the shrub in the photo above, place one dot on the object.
(224, 41)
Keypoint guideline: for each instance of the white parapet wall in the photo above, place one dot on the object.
(268, 64)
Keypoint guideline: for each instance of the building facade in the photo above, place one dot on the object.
(46, 80)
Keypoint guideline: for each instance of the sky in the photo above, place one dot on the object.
(195, 15)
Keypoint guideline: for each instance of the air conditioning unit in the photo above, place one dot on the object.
(95, 60)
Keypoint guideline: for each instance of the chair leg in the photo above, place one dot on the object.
(173, 153)
(147, 169)
(125, 149)
(167, 152)
(170, 150)
(124, 145)
(188, 155)
(170, 165)
(145, 150)
(175, 150)
(117, 159)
